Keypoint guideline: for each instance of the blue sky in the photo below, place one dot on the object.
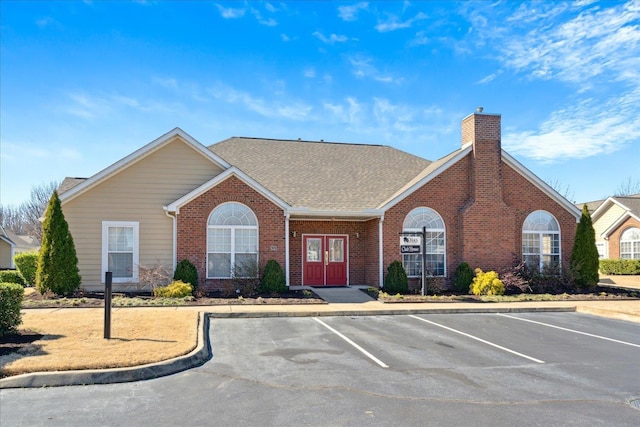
(83, 84)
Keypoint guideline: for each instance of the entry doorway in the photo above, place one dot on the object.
(324, 260)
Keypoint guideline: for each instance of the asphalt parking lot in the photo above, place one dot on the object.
(462, 369)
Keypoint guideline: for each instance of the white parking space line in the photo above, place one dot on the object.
(569, 330)
(365, 352)
(478, 339)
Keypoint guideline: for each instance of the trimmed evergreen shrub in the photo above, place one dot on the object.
(463, 277)
(396, 281)
(58, 263)
(584, 257)
(11, 295)
(620, 266)
(11, 276)
(176, 289)
(188, 273)
(273, 279)
(486, 283)
(27, 265)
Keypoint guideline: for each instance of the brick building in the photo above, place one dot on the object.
(330, 213)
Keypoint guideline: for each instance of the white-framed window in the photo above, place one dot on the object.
(630, 243)
(232, 240)
(120, 250)
(435, 243)
(602, 249)
(541, 241)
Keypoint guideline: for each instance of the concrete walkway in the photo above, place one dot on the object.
(342, 295)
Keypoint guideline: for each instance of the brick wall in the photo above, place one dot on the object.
(359, 248)
(614, 238)
(483, 203)
(192, 227)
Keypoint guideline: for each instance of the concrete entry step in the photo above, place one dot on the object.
(342, 294)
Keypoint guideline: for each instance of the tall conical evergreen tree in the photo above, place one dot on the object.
(58, 263)
(584, 258)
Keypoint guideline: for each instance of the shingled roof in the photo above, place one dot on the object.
(323, 175)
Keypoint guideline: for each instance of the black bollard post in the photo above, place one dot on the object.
(107, 304)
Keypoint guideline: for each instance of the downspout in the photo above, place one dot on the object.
(380, 255)
(174, 240)
(286, 247)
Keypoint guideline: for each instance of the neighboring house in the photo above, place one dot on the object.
(12, 244)
(7, 250)
(616, 222)
(330, 213)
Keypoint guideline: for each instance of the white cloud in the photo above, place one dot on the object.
(309, 73)
(394, 23)
(350, 13)
(284, 37)
(333, 38)
(420, 38)
(270, 22)
(489, 78)
(587, 129)
(594, 48)
(231, 13)
(362, 67)
(282, 109)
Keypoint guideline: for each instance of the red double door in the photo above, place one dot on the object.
(324, 260)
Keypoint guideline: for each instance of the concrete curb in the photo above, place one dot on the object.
(202, 352)
(196, 357)
(389, 312)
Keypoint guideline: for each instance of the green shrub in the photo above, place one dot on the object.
(11, 276)
(463, 277)
(584, 257)
(11, 295)
(620, 266)
(396, 282)
(57, 262)
(176, 289)
(486, 283)
(188, 273)
(27, 265)
(273, 279)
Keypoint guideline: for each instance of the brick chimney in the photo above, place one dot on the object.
(483, 130)
(488, 224)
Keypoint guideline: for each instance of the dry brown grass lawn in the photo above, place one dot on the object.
(73, 339)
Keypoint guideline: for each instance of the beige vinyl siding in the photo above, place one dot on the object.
(136, 193)
(606, 220)
(5, 254)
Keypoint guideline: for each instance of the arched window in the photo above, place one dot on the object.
(630, 243)
(232, 241)
(541, 240)
(435, 243)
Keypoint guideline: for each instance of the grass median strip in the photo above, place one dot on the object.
(73, 339)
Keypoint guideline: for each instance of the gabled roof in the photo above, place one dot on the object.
(542, 186)
(231, 171)
(323, 176)
(592, 206)
(75, 186)
(630, 204)
(22, 241)
(5, 237)
(426, 175)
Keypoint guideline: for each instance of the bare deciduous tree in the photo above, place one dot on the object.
(630, 186)
(25, 218)
(563, 189)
